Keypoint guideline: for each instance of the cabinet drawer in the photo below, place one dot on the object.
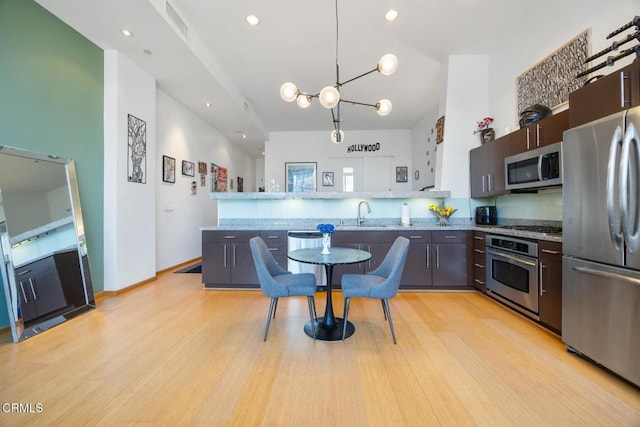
(416, 236)
(457, 236)
(479, 260)
(479, 241)
(548, 248)
(479, 275)
(274, 236)
(228, 236)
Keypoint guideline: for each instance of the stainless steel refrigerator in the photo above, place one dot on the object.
(601, 242)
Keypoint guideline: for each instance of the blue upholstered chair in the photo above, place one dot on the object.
(381, 283)
(277, 282)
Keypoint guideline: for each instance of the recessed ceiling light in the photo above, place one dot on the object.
(126, 32)
(244, 135)
(391, 15)
(252, 20)
(209, 104)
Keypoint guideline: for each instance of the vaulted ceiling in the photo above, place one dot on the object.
(204, 51)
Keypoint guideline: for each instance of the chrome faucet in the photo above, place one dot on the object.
(360, 216)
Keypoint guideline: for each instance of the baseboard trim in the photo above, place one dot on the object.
(105, 294)
(179, 266)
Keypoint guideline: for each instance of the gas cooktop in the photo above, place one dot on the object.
(548, 229)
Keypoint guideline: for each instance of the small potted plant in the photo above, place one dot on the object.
(485, 130)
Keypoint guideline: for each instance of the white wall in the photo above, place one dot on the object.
(467, 102)
(509, 59)
(130, 221)
(316, 146)
(259, 173)
(423, 151)
(179, 213)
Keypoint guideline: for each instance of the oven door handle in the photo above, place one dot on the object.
(513, 258)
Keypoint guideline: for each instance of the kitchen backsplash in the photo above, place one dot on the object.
(545, 205)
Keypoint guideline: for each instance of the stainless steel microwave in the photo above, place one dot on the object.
(537, 168)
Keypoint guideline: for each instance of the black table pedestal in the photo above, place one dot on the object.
(329, 327)
(325, 333)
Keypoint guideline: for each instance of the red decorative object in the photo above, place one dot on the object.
(484, 124)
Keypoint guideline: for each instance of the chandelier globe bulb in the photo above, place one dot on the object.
(288, 92)
(304, 101)
(383, 107)
(337, 136)
(329, 97)
(388, 64)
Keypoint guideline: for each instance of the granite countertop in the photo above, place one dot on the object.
(289, 226)
(433, 194)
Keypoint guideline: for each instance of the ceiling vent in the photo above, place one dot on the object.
(177, 20)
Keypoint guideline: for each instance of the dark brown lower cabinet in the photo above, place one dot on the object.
(479, 276)
(48, 286)
(417, 269)
(377, 243)
(227, 259)
(550, 276)
(277, 243)
(436, 259)
(449, 259)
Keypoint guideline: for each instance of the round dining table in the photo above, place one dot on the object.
(329, 327)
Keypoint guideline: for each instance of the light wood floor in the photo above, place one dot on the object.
(170, 353)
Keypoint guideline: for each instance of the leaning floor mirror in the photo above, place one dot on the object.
(45, 270)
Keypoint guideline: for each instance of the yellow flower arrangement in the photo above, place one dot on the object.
(443, 212)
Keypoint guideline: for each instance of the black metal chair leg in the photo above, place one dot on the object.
(275, 308)
(383, 310)
(385, 304)
(312, 309)
(347, 300)
(274, 302)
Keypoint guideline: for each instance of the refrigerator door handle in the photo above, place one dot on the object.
(608, 275)
(629, 225)
(615, 230)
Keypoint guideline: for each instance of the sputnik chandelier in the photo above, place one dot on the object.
(329, 96)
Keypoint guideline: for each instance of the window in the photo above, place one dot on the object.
(347, 179)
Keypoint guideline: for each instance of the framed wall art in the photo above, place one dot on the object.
(300, 176)
(202, 168)
(188, 168)
(402, 174)
(550, 81)
(440, 130)
(136, 150)
(327, 179)
(168, 169)
(218, 178)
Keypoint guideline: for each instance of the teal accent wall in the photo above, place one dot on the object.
(51, 101)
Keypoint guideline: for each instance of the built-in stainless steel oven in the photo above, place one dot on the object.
(512, 273)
